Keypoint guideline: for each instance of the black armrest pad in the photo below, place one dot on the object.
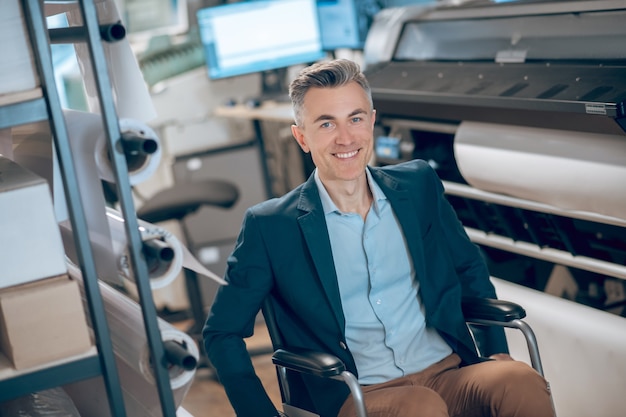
(491, 309)
(307, 361)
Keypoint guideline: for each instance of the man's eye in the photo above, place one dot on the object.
(325, 125)
(356, 119)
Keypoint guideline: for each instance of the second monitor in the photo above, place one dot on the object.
(256, 36)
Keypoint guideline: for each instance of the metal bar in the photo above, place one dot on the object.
(23, 113)
(439, 127)
(111, 32)
(357, 393)
(113, 135)
(284, 384)
(420, 97)
(535, 8)
(547, 254)
(43, 58)
(529, 335)
(45, 378)
(462, 190)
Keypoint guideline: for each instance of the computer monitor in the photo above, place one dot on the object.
(259, 36)
(344, 23)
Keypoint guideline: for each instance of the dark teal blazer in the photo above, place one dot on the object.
(283, 251)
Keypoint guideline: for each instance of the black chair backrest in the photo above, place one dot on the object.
(270, 321)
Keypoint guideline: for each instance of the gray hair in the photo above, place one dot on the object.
(326, 74)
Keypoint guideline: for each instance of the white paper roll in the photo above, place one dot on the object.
(132, 353)
(84, 134)
(32, 147)
(87, 135)
(583, 351)
(165, 262)
(160, 271)
(565, 169)
(131, 95)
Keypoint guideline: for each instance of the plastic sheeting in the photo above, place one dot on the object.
(133, 359)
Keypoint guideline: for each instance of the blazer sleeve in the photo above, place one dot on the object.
(232, 318)
(471, 269)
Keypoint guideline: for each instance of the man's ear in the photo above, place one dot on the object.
(299, 136)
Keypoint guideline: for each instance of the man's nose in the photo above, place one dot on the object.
(344, 136)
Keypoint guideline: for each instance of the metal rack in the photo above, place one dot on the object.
(46, 106)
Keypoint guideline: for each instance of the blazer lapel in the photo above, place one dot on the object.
(405, 211)
(313, 225)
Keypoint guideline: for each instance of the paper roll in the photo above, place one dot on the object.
(162, 269)
(87, 135)
(32, 148)
(140, 398)
(88, 143)
(583, 350)
(165, 254)
(133, 359)
(569, 170)
(130, 92)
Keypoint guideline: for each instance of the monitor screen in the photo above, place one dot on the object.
(255, 36)
(345, 23)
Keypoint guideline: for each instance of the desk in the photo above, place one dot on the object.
(269, 111)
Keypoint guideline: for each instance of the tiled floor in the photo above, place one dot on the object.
(206, 397)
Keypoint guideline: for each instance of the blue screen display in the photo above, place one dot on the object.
(345, 23)
(247, 37)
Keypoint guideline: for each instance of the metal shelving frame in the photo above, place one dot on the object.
(48, 107)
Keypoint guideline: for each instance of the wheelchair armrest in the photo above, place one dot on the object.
(476, 308)
(310, 362)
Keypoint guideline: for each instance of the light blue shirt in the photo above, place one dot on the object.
(379, 292)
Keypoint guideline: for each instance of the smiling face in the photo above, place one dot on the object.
(337, 129)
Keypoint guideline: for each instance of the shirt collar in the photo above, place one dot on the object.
(329, 206)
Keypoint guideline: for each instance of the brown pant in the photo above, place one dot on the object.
(493, 388)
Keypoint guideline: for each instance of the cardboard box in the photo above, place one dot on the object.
(17, 67)
(43, 321)
(30, 240)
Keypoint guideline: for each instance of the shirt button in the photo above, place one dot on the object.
(379, 302)
(343, 345)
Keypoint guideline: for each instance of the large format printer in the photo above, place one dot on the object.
(521, 109)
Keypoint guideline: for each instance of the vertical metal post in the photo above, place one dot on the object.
(37, 27)
(120, 169)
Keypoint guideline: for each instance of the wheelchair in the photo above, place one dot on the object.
(477, 312)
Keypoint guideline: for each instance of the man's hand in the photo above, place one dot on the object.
(501, 357)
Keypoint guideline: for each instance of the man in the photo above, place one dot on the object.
(368, 264)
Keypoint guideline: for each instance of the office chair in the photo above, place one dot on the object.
(477, 311)
(177, 202)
